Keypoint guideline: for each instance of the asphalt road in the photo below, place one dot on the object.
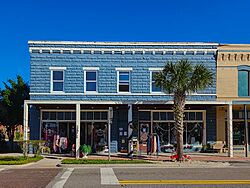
(159, 177)
(236, 176)
(27, 178)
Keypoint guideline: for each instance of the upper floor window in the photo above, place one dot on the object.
(57, 79)
(90, 79)
(123, 79)
(243, 83)
(153, 87)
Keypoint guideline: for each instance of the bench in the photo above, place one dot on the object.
(219, 147)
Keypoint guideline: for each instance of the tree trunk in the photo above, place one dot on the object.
(179, 105)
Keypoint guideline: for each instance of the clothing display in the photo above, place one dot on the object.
(63, 143)
(55, 143)
(153, 144)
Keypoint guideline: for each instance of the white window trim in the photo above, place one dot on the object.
(118, 79)
(91, 68)
(94, 69)
(57, 68)
(155, 69)
(51, 79)
(150, 77)
(124, 69)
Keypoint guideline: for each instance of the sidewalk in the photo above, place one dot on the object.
(165, 157)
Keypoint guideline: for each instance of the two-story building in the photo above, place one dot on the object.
(78, 89)
(233, 85)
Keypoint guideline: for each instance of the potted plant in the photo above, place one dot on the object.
(85, 150)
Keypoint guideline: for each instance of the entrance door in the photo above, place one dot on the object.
(86, 133)
(94, 134)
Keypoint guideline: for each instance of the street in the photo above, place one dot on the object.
(236, 175)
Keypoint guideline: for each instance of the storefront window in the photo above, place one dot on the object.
(170, 116)
(67, 115)
(191, 115)
(198, 115)
(144, 115)
(156, 116)
(45, 116)
(60, 115)
(104, 115)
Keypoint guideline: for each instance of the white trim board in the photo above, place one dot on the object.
(91, 68)
(123, 68)
(155, 69)
(30, 102)
(122, 93)
(57, 68)
(121, 49)
(121, 43)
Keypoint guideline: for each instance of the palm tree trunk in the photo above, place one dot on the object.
(179, 105)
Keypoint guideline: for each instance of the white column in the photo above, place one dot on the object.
(110, 116)
(230, 129)
(246, 130)
(130, 119)
(25, 120)
(78, 127)
(204, 138)
(130, 130)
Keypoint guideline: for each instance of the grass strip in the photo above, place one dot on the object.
(99, 161)
(10, 160)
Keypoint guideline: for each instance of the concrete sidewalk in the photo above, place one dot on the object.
(46, 163)
(163, 159)
(205, 157)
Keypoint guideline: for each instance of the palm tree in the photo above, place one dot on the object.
(181, 79)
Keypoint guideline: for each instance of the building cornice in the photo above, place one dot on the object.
(123, 43)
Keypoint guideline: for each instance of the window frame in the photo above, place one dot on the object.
(52, 69)
(90, 69)
(127, 69)
(151, 79)
(248, 80)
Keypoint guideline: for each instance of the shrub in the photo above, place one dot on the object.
(86, 149)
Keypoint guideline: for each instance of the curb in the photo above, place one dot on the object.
(155, 165)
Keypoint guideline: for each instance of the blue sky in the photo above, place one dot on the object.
(224, 21)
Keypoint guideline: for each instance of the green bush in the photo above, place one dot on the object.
(86, 149)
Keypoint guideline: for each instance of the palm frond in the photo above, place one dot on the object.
(182, 77)
(200, 79)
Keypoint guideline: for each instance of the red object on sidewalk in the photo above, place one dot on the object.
(175, 157)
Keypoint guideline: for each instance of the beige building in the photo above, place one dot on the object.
(233, 75)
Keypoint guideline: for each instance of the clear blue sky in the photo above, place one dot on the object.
(224, 21)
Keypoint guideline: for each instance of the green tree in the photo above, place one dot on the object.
(11, 104)
(181, 79)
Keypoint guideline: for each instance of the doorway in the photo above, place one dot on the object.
(94, 134)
